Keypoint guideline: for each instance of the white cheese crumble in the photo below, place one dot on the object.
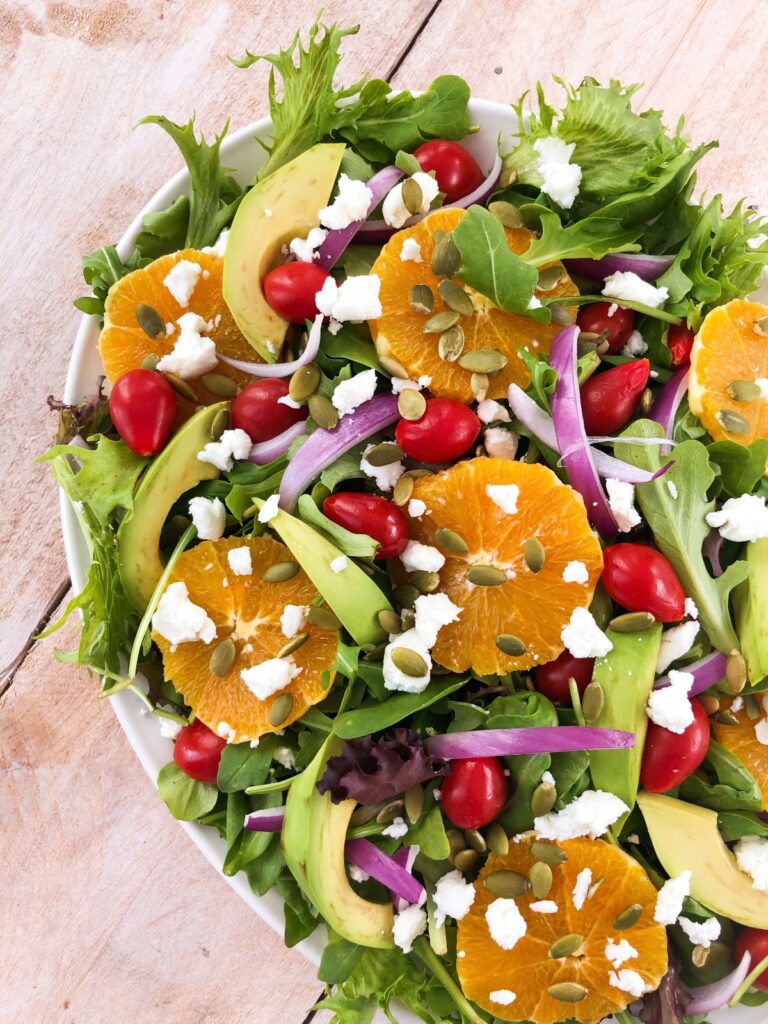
(590, 814)
(240, 561)
(269, 509)
(671, 707)
(741, 519)
(549, 778)
(411, 251)
(627, 285)
(293, 619)
(219, 247)
(192, 354)
(502, 996)
(737, 704)
(701, 933)
(349, 394)
(351, 203)
(354, 300)
(288, 402)
(504, 496)
(752, 857)
(762, 383)
(385, 476)
(505, 923)
(418, 556)
(635, 345)
(453, 897)
(225, 730)
(617, 953)
(560, 178)
(583, 637)
(534, 303)
(500, 443)
(181, 280)
(669, 901)
(339, 564)
(621, 498)
(396, 829)
(432, 612)
(208, 517)
(179, 620)
(675, 642)
(233, 444)
(491, 411)
(416, 508)
(169, 729)
(672, 488)
(357, 874)
(690, 608)
(285, 757)
(269, 676)
(305, 249)
(628, 981)
(575, 572)
(394, 210)
(543, 907)
(399, 384)
(395, 678)
(581, 888)
(409, 924)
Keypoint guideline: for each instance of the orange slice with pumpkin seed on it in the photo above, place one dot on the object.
(559, 969)
(728, 382)
(504, 565)
(398, 332)
(741, 737)
(246, 610)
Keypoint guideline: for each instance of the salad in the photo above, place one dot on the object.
(426, 506)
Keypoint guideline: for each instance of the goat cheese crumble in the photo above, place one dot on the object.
(504, 496)
(232, 445)
(266, 678)
(411, 251)
(351, 203)
(293, 619)
(349, 394)
(581, 888)
(628, 981)
(621, 498)
(354, 300)
(701, 933)
(394, 210)
(240, 561)
(583, 637)
(669, 901)
(385, 476)
(396, 829)
(339, 564)
(269, 509)
(635, 345)
(219, 248)
(670, 707)
(752, 858)
(399, 384)
(432, 612)
(502, 996)
(304, 249)
(193, 354)
(179, 620)
(416, 508)
(181, 280)
(741, 519)
(543, 907)
(417, 556)
(395, 678)
(675, 642)
(491, 411)
(590, 814)
(575, 572)
(505, 923)
(209, 517)
(409, 924)
(453, 897)
(500, 443)
(617, 953)
(560, 178)
(627, 285)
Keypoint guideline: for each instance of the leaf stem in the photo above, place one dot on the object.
(638, 307)
(426, 954)
(576, 701)
(273, 787)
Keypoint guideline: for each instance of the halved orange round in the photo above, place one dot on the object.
(529, 605)
(124, 343)
(398, 331)
(741, 740)
(529, 971)
(247, 610)
(728, 382)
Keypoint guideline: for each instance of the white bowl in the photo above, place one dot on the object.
(241, 151)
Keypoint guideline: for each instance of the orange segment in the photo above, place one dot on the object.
(398, 332)
(532, 606)
(123, 344)
(248, 610)
(730, 348)
(741, 740)
(528, 971)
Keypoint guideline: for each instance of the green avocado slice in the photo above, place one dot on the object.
(751, 601)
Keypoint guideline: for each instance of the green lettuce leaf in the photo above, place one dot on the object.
(489, 266)
(107, 476)
(728, 785)
(356, 545)
(590, 238)
(101, 269)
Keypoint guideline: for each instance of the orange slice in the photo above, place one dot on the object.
(532, 606)
(741, 740)
(528, 971)
(398, 331)
(246, 609)
(728, 383)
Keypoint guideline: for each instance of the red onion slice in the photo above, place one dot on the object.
(708, 998)
(268, 451)
(706, 672)
(268, 820)
(667, 402)
(649, 268)
(405, 857)
(337, 241)
(546, 739)
(711, 549)
(281, 369)
(325, 446)
(385, 869)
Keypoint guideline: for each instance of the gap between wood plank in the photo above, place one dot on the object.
(424, 22)
(8, 674)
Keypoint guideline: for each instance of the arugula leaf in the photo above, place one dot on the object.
(736, 824)
(356, 545)
(679, 526)
(376, 717)
(101, 269)
(741, 466)
(346, 467)
(590, 238)
(107, 478)
(185, 798)
(165, 231)
(488, 264)
(732, 788)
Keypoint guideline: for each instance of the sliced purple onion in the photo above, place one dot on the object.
(325, 446)
(571, 434)
(282, 369)
(337, 241)
(706, 672)
(649, 268)
(708, 998)
(268, 820)
(385, 869)
(545, 739)
(268, 451)
(711, 549)
(405, 857)
(667, 402)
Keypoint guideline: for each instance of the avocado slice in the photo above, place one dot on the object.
(626, 675)
(751, 600)
(351, 594)
(686, 838)
(276, 210)
(176, 469)
(313, 837)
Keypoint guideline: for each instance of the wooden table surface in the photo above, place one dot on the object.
(108, 915)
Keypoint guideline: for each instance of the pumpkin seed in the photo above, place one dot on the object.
(293, 645)
(646, 401)
(451, 541)
(323, 618)
(486, 575)
(595, 886)
(281, 709)
(441, 322)
(736, 672)
(419, 474)
(149, 320)
(726, 718)
(220, 385)
(744, 390)
(220, 424)
(411, 404)
(534, 554)
(593, 701)
(510, 644)
(548, 853)
(761, 325)
(304, 382)
(568, 992)
(632, 622)
(414, 803)
(716, 955)
(322, 411)
(393, 367)
(363, 814)
(710, 703)
(455, 841)
(506, 213)
(390, 621)
(732, 422)
(149, 362)
(466, 860)
(543, 799)
(446, 258)
(752, 707)
(384, 454)
(507, 177)
(376, 653)
(628, 917)
(560, 315)
(279, 572)
(438, 236)
(413, 197)
(588, 342)
(507, 884)
(475, 840)
(454, 296)
(451, 344)
(425, 582)
(409, 662)
(496, 840)
(550, 277)
(403, 490)
(566, 946)
(180, 386)
(408, 618)
(479, 384)
(421, 299)
(405, 595)
(222, 657)
(488, 360)
(540, 877)
(390, 811)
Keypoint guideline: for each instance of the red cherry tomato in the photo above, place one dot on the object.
(680, 341)
(447, 429)
(368, 513)
(641, 579)
(755, 942)
(618, 325)
(142, 405)
(457, 172)
(670, 757)
(608, 399)
(474, 791)
(291, 288)
(257, 411)
(197, 751)
(552, 679)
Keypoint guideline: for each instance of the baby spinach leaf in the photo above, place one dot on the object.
(185, 798)
(247, 846)
(741, 466)
(372, 718)
(429, 835)
(488, 264)
(263, 871)
(300, 916)
(737, 824)
(339, 959)
(353, 342)
(571, 773)
(730, 786)
(356, 545)
(242, 765)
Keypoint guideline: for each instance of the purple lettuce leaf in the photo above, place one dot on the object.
(668, 1003)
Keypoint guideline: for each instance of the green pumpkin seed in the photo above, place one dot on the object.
(548, 853)
(496, 839)
(566, 946)
(593, 702)
(149, 320)
(412, 195)
(744, 390)
(304, 382)
(425, 582)
(560, 315)
(550, 277)
(451, 541)
(411, 404)
(540, 877)
(149, 362)
(466, 860)
(220, 423)
(323, 412)
(401, 495)
(293, 645)
(455, 841)
(384, 454)
(761, 325)
(393, 367)
(726, 718)
(568, 992)
(736, 672)
(588, 342)
(534, 554)
(475, 841)
(752, 707)
(364, 813)
(595, 886)
(390, 621)
(446, 258)
(488, 360)
(281, 709)
(405, 594)
(454, 296)
(507, 884)
(506, 213)
(414, 803)
(479, 384)
(486, 575)
(323, 618)
(510, 644)
(220, 385)
(732, 422)
(409, 662)
(710, 704)
(507, 177)
(632, 622)
(421, 299)
(628, 917)
(222, 657)
(451, 344)
(646, 401)
(419, 474)
(391, 810)
(715, 956)
(601, 606)
(180, 386)
(543, 799)
(440, 322)
(280, 572)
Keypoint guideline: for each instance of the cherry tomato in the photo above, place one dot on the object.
(447, 429)
(619, 324)
(197, 751)
(368, 513)
(755, 942)
(257, 411)
(474, 791)
(552, 679)
(291, 288)
(680, 341)
(457, 172)
(142, 405)
(608, 399)
(670, 757)
(640, 579)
